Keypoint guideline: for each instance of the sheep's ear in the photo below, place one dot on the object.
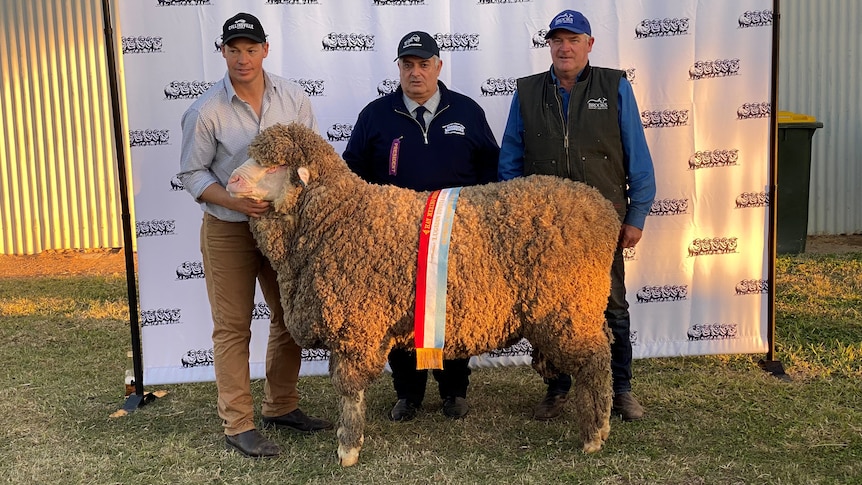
(304, 175)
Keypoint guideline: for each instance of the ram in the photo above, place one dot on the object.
(528, 258)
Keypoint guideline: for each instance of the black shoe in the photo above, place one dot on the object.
(550, 407)
(296, 420)
(403, 410)
(455, 407)
(252, 444)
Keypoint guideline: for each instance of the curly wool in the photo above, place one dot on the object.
(528, 258)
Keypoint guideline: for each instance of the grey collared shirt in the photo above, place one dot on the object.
(218, 127)
(431, 105)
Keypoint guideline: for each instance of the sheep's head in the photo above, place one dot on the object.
(279, 184)
(251, 180)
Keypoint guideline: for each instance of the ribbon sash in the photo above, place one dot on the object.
(431, 277)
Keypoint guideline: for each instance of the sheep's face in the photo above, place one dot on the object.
(253, 181)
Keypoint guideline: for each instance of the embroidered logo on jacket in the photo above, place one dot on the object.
(600, 103)
(454, 129)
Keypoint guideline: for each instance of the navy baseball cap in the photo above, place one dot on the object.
(570, 20)
(418, 44)
(242, 25)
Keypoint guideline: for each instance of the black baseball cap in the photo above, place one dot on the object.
(242, 25)
(418, 44)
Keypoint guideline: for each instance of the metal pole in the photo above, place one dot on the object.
(769, 364)
(137, 399)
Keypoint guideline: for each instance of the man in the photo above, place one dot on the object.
(582, 122)
(217, 129)
(423, 137)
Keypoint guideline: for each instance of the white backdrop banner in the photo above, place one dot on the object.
(701, 71)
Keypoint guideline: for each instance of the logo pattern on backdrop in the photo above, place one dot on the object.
(312, 87)
(752, 199)
(387, 86)
(339, 132)
(713, 158)
(662, 27)
(712, 331)
(754, 110)
(352, 41)
(160, 316)
(408, 3)
(186, 89)
(755, 18)
(538, 39)
(712, 245)
(292, 2)
(652, 294)
(155, 228)
(752, 287)
(664, 118)
(498, 86)
(177, 184)
(169, 3)
(457, 42)
(714, 68)
(197, 358)
(669, 207)
(142, 44)
(189, 270)
(139, 138)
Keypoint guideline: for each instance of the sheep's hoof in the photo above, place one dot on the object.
(348, 457)
(593, 446)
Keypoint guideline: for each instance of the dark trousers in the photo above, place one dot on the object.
(617, 316)
(410, 383)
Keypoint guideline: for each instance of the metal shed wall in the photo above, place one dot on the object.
(58, 172)
(820, 70)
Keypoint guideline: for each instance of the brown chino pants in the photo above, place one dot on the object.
(232, 262)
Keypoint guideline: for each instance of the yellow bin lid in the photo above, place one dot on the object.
(791, 117)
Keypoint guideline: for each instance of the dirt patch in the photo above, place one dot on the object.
(113, 261)
(83, 262)
(834, 244)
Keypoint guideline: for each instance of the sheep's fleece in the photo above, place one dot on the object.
(529, 258)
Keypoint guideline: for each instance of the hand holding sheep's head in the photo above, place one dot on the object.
(251, 180)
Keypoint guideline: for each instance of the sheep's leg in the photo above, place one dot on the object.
(351, 376)
(350, 429)
(593, 396)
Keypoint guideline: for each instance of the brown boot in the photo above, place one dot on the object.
(550, 407)
(627, 407)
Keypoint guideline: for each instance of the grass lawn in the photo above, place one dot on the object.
(710, 420)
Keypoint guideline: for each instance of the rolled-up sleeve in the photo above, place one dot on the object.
(196, 154)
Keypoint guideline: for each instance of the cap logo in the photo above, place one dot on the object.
(241, 24)
(566, 18)
(413, 41)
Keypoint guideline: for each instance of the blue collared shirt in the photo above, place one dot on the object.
(640, 174)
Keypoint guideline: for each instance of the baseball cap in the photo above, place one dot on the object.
(418, 44)
(571, 20)
(242, 25)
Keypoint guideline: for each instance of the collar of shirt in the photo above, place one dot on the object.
(431, 105)
(268, 87)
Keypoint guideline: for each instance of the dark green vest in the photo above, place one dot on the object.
(589, 149)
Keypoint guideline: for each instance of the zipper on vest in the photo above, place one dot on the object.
(565, 128)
